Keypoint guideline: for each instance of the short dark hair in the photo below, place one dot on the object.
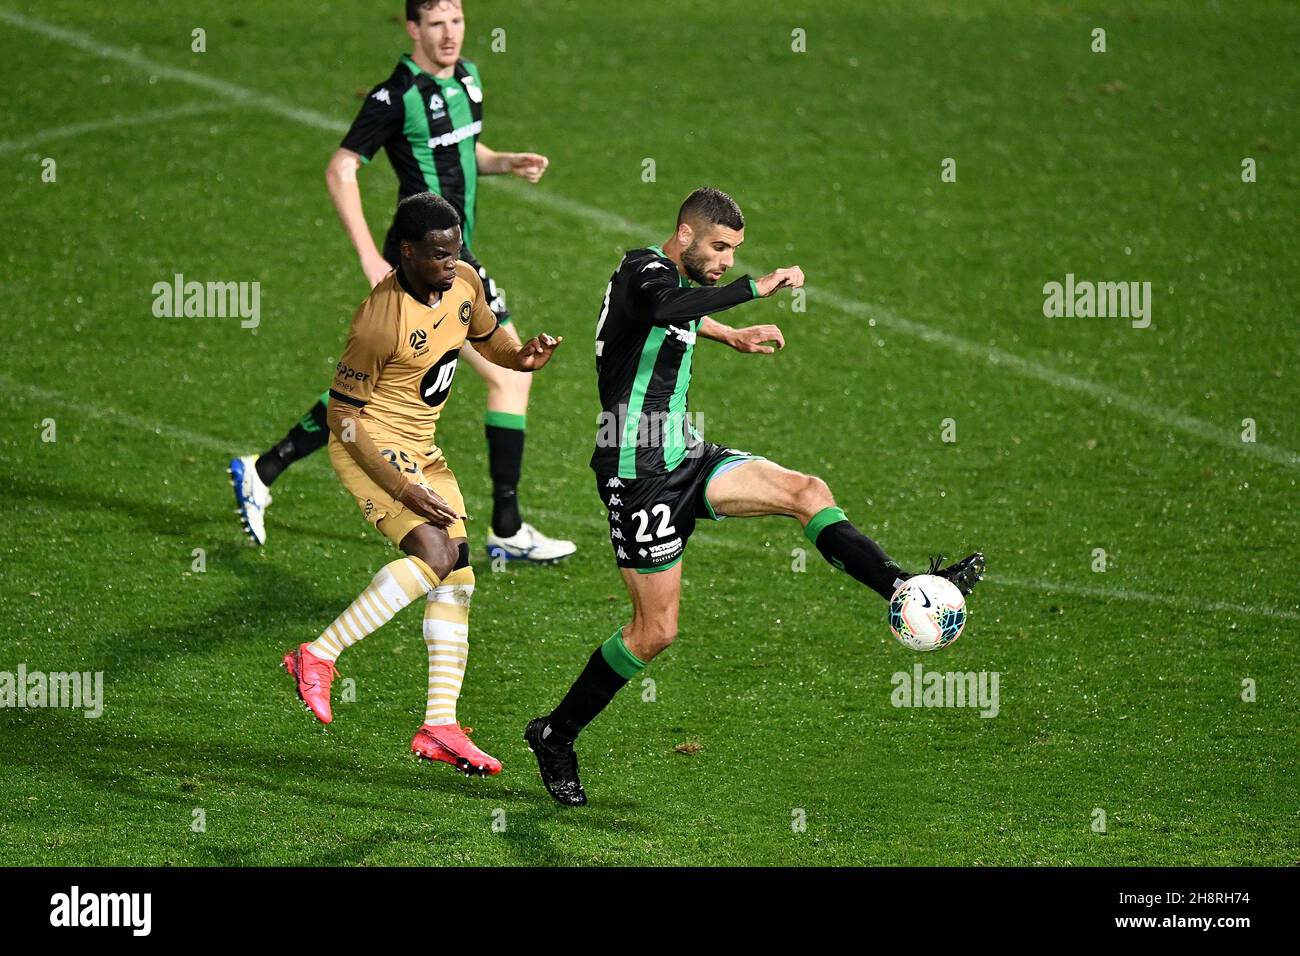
(413, 7)
(711, 205)
(421, 214)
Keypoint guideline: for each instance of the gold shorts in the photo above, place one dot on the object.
(393, 519)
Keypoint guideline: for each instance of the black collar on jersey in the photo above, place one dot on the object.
(458, 72)
(405, 283)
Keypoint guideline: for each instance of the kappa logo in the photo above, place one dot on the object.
(465, 309)
(382, 96)
(616, 534)
(614, 483)
(418, 339)
(656, 264)
(615, 501)
(621, 553)
(615, 517)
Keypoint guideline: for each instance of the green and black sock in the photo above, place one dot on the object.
(308, 435)
(505, 438)
(853, 552)
(610, 667)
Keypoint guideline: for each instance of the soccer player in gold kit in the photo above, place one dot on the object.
(389, 389)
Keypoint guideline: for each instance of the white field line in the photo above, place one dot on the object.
(106, 413)
(79, 129)
(997, 357)
(595, 520)
(1121, 594)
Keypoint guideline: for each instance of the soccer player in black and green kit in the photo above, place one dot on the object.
(427, 116)
(656, 475)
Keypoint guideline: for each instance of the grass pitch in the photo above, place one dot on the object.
(1120, 692)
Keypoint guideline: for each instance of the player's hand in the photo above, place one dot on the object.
(375, 267)
(536, 352)
(755, 339)
(529, 166)
(427, 504)
(791, 278)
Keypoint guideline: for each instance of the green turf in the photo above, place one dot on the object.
(1115, 166)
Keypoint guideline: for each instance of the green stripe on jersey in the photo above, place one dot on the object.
(674, 440)
(461, 115)
(645, 370)
(417, 134)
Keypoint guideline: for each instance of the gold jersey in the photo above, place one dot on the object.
(401, 355)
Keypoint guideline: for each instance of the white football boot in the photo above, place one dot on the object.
(252, 498)
(529, 544)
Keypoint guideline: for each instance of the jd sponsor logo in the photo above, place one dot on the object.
(23, 689)
(179, 299)
(75, 908)
(921, 688)
(1101, 300)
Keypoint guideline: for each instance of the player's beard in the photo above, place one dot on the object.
(696, 266)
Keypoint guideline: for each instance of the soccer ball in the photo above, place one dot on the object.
(927, 612)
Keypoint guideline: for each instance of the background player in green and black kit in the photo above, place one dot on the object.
(656, 475)
(427, 116)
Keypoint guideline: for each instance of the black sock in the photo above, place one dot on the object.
(505, 464)
(594, 688)
(308, 435)
(851, 551)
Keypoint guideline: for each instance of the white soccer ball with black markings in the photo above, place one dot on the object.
(927, 612)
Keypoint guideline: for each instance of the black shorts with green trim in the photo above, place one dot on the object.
(652, 518)
(496, 295)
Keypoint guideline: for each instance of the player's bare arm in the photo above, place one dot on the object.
(529, 166)
(788, 278)
(502, 350)
(345, 193)
(751, 339)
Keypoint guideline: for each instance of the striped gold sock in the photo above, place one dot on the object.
(396, 585)
(446, 635)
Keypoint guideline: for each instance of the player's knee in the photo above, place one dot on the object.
(650, 637)
(811, 495)
(440, 554)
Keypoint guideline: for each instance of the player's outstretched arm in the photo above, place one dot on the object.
(754, 338)
(341, 178)
(788, 278)
(347, 424)
(529, 357)
(529, 166)
(670, 302)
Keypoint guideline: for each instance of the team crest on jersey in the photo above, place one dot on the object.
(437, 106)
(465, 309)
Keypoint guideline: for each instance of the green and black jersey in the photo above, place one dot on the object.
(645, 339)
(429, 127)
